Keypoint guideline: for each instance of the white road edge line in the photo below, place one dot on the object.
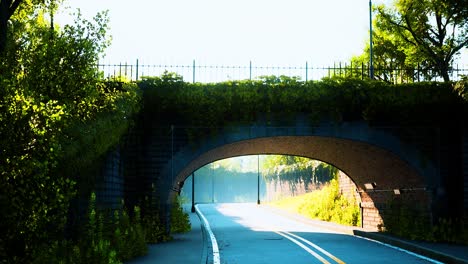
(313, 253)
(400, 249)
(214, 244)
(316, 247)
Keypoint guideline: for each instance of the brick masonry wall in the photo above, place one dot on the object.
(348, 187)
(110, 185)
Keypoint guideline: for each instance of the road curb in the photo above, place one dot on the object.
(208, 243)
(424, 251)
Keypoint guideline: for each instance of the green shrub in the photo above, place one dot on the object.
(279, 99)
(326, 204)
(151, 219)
(408, 222)
(95, 245)
(128, 237)
(57, 252)
(180, 222)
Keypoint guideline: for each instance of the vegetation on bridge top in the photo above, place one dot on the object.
(277, 101)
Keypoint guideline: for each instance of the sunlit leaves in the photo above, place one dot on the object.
(433, 32)
(55, 120)
(325, 204)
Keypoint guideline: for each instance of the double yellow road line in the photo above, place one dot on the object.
(300, 242)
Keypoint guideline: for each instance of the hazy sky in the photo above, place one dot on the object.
(233, 32)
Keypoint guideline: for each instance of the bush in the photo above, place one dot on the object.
(105, 238)
(128, 237)
(151, 220)
(337, 99)
(407, 222)
(326, 204)
(180, 222)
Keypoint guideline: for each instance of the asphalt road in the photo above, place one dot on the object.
(248, 233)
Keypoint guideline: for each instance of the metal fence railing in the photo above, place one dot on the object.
(219, 73)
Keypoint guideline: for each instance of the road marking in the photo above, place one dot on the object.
(316, 247)
(313, 253)
(403, 250)
(214, 244)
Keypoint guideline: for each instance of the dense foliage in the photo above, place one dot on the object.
(180, 222)
(107, 237)
(296, 170)
(326, 204)
(409, 222)
(56, 120)
(418, 34)
(277, 102)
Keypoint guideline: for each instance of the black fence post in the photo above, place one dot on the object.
(419, 70)
(193, 72)
(120, 72)
(136, 78)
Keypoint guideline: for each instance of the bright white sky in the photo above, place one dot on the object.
(232, 32)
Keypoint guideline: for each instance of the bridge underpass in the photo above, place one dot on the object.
(265, 179)
(384, 171)
(418, 167)
(384, 168)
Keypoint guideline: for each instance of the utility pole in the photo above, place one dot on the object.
(370, 43)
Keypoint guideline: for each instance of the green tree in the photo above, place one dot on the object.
(21, 9)
(49, 88)
(432, 31)
(391, 58)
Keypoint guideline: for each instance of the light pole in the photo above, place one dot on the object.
(212, 183)
(193, 192)
(370, 43)
(258, 179)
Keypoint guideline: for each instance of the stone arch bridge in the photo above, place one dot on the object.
(414, 166)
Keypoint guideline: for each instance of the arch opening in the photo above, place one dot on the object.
(293, 183)
(364, 163)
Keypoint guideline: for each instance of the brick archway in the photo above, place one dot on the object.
(390, 176)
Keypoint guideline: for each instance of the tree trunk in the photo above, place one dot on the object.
(444, 71)
(4, 6)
